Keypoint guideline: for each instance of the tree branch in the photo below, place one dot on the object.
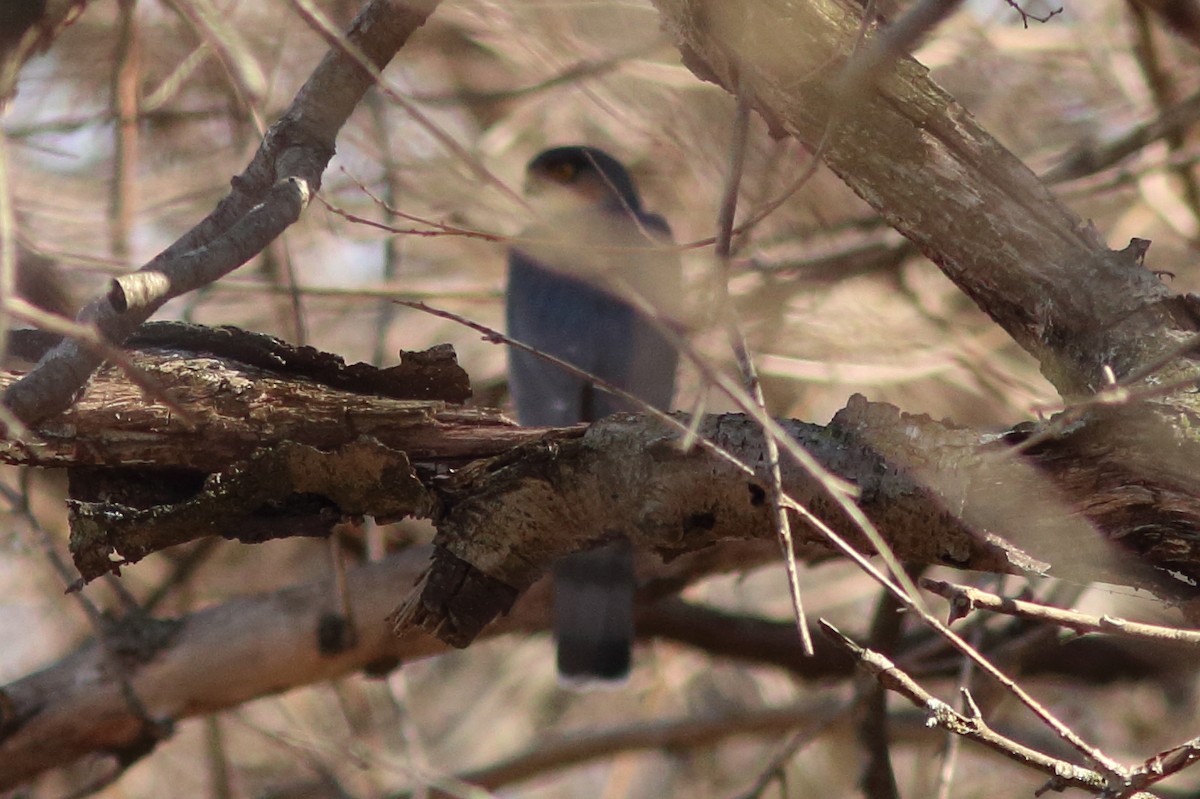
(266, 198)
(923, 162)
(198, 664)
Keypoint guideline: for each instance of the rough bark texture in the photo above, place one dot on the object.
(272, 453)
(983, 217)
(272, 441)
(923, 162)
(284, 452)
(938, 494)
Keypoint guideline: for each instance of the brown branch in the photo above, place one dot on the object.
(909, 469)
(266, 198)
(965, 598)
(878, 778)
(668, 734)
(1093, 660)
(1165, 764)
(251, 647)
(127, 76)
(1165, 93)
(971, 726)
(1180, 16)
(248, 391)
(198, 664)
(921, 160)
(627, 474)
(1088, 158)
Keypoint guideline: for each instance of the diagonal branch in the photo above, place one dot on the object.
(939, 178)
(266, 198)
(971, 726)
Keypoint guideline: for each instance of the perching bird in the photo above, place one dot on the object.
(565, 297)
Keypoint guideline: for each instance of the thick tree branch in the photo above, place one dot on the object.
(257, 646)
(249, 392)
(939, 494)
(198, 664)
(923, 162)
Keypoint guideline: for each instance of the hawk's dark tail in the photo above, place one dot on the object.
(593, 613)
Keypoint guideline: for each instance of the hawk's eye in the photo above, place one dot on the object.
(562, 171)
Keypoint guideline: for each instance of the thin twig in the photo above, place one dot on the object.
(954, 742)
(970, 726)
(965, 598)
(878, 777)
(391, 247)
(1026, 16)
(124, 103)
(1089, 159)
(669, 734)
(322, 25)
(737, 342)
(575, 72)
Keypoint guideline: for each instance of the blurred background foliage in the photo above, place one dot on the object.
(128, 130)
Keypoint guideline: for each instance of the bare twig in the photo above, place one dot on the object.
(1089, 158)
(970, 726)
(878, 777)
(953, 742)
(238, 60)
(901, 37)
(1166, 763)
(391, 245)
(1026, 16)
(125, 81)
(737, 341)
(965, 598)
(575, 72)
(317, 20)
(88, 338)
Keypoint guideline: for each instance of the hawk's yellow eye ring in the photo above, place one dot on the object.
(563, 171)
